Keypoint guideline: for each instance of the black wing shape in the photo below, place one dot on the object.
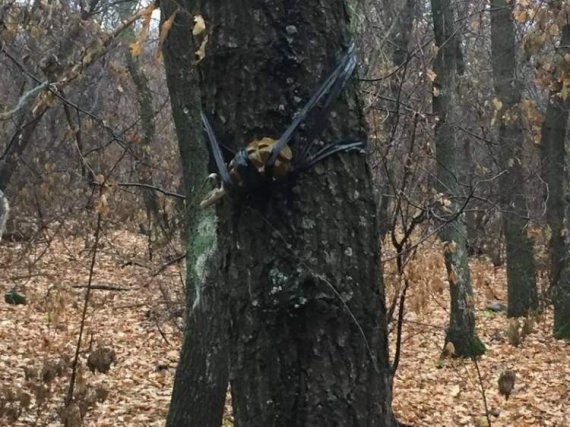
(216, 152)
(307, 152)
(327, 150)
(332, 86)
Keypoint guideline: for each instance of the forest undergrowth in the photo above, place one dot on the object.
(136, 312)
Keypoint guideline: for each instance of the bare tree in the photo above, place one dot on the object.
(299, 268)
(554, 164)
(521, 282)
(461, 330)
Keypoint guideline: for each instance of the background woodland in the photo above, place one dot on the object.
(96, 240)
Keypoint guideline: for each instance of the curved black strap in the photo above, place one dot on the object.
(331, 87)
(216, 152)
(330, 149)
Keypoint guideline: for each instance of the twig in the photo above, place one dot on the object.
(132, 262)
(84, 313)
(427, 325)
(169, 263)
(444, 223)
(401, 311)
(140, 304)
(160, 332)
(92, 53)
(102, 287)
(482, 391)
(23, 101)
(151, 187)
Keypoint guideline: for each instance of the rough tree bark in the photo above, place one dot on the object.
(521, 281)
(201, 377)
(307, 334)
(182, 80)
(201, 380)
(461, 330)
(554, 158)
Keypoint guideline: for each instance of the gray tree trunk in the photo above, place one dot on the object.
(554, 158)
(143, 148)
(201, 377)
(201, 380)
(183, 85)
(307, 335)
(461, 330)
(521, 282)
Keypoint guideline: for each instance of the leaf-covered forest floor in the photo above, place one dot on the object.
(430, 391)
(141, 324)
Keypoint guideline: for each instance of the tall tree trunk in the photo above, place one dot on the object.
(182, 80)
(143, 147)
(521, 282)
(201, 377)
(201, 380)
(554, 158)
(461, 330)
(466, 162)
(308, 339)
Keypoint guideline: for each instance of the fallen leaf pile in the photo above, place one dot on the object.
(431, 391)
(132, 336)
(132, 328)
